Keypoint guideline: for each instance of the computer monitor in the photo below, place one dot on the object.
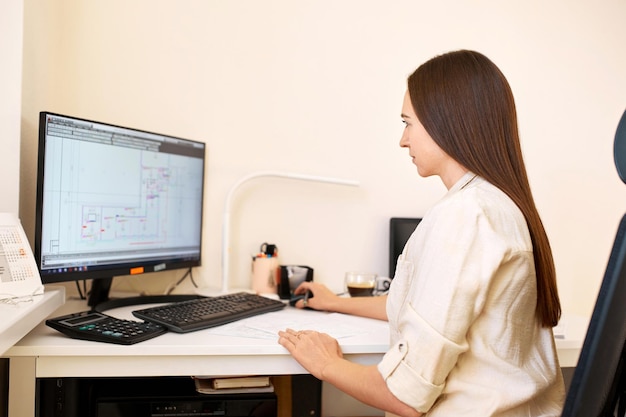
(115, 201)
(400, 229)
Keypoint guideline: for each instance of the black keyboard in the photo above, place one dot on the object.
(202, 313)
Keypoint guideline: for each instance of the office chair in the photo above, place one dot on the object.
(598, 387)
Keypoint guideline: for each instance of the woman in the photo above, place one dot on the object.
(474, 298)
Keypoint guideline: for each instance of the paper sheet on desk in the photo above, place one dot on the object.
(266, 326)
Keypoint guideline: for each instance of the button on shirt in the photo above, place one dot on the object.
(465, 340)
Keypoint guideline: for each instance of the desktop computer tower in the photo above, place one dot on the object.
(143, 397)
(229, 405)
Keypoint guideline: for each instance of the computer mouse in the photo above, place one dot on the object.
(294, 299)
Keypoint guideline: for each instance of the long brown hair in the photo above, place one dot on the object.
(466, 105)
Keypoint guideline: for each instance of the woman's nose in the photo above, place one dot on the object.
(404, 141)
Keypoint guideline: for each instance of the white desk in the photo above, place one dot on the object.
(569, 336)
(45, 352)
(19, 319)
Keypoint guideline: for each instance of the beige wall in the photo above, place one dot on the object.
(11, 24)
(316, 87)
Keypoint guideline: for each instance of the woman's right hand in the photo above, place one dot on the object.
(321, 297)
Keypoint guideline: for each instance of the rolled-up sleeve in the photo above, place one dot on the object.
(404, 382)
(416, 367)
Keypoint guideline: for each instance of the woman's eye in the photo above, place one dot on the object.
(405, 123)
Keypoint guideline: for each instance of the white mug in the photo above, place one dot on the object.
(382, 285)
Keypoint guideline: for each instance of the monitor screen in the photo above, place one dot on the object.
(400, 229)
(114, 201)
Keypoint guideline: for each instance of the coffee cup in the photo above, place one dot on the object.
(360, 284)
(364, 284)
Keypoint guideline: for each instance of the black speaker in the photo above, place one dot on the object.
(306, 396)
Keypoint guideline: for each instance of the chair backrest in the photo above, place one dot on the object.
(598, 386)
(619, 148)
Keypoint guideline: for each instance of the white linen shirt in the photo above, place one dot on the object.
(465, 340)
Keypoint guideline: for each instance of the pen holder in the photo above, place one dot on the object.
(264, 271)
(290, 276)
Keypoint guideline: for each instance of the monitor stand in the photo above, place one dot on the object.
(99, 297)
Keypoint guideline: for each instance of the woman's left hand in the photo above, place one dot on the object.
(313, 350)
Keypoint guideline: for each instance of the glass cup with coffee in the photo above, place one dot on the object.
(360, 284)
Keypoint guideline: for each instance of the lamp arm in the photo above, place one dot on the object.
(254, 175)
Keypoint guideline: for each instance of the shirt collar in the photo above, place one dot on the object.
(465, 180)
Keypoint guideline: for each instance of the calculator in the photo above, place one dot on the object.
(99, 327)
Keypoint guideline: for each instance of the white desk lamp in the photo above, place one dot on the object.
(254, 175)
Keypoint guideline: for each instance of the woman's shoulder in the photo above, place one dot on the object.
(479, 203)
(481, 197)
